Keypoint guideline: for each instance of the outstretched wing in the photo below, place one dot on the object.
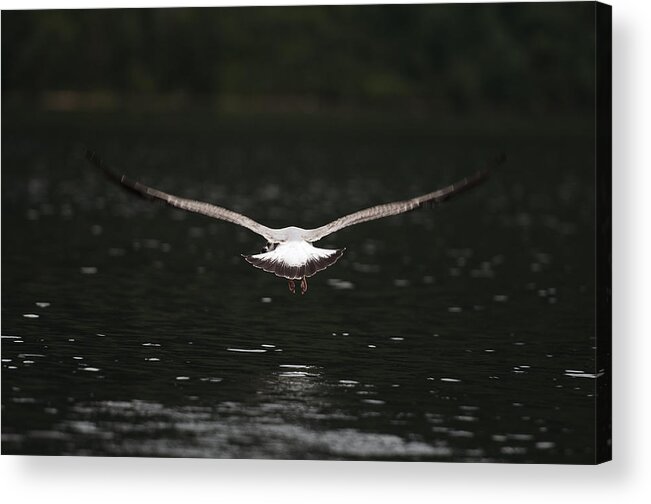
(398, 207)
(185, 204)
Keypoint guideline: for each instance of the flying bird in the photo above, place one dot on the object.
(290, 252)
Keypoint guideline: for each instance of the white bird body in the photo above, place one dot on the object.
(291, 233)
(289, 252)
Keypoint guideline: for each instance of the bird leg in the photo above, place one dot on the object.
(303, 285)
(292, 287)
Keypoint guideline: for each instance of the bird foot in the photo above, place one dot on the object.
(292, 286)
(303, 285)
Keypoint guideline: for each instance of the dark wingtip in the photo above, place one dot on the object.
(92, 156)
(94, 159)
(121, 180)
(486, 172)
(498, 160)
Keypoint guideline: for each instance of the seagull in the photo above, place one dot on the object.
(290, 252)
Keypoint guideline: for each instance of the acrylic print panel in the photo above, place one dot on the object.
(469, 325)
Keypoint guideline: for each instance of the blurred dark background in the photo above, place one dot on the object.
(504, 59)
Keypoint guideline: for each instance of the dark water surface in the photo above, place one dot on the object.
(462, 333)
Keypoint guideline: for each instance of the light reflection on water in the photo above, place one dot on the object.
(463, 333)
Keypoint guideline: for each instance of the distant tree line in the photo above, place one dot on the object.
(522, 56)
